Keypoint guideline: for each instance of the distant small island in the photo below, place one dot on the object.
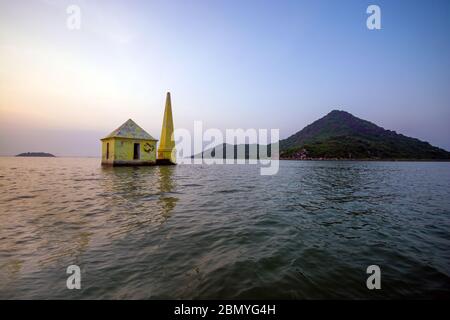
(35, 154)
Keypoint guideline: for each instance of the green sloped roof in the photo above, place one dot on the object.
(130, 130)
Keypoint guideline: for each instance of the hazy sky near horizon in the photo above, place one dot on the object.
(231, 64)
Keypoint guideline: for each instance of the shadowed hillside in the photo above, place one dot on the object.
(341, 135)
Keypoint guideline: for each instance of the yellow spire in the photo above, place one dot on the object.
(166, 149)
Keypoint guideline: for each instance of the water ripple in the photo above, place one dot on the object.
(224, 231)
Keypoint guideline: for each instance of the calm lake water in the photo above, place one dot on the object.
(224, 231)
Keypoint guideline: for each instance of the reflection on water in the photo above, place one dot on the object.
(167, 199)
(223, 231)
(151, 191)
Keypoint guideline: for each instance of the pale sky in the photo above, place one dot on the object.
(231, 64)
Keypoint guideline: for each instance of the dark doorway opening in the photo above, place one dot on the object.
(136, 151)
(107, 150)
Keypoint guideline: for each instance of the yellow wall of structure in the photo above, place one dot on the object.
(111, 150)
(124, 149)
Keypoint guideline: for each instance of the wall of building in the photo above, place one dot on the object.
(124, 149)
(111, 151)
(121, 151)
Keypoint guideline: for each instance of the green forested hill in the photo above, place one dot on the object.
(341, 135)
